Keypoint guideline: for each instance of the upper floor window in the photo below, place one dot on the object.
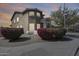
(38, 14)
(31, 13)
(17, 19)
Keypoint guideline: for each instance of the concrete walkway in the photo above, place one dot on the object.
(43, 48)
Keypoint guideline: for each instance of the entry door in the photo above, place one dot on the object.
(31, 27)
(38, 26)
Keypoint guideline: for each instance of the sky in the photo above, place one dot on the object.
(7, 9)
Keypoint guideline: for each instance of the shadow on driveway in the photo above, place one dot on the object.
(62, 39)
(22, 39)
(76, 36)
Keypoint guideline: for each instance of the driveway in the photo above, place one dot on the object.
(43, 48)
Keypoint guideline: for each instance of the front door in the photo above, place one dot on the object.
(38, 26)
(31, 27)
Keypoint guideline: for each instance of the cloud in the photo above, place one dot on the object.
(4, 16)
(46, 13)
(3, 5)
(4, 23)
(47, 8)
(7, 10)
(55, 6)
(5, 19)
(8, 7)
(19, 7)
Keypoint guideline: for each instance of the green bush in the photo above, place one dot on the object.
(60, 33)
(12, 33)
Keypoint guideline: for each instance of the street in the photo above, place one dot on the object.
(40, 48)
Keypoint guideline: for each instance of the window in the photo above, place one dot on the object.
(17, 19)
(31, 27)
(20, 26)
(38, 26)
(31, 13)
(17, 26)
(38, 14)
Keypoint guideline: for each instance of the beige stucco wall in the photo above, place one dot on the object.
(25, 22)
(14, 25)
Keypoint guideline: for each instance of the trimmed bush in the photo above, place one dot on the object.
(51, 33)
(42, 33)
(12, 33)
(60, 33)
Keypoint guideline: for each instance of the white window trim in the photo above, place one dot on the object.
(38, 14)
(17, 26)
(17, 19)
(31, 13)
(21, 26)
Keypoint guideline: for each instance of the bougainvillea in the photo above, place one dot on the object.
(51, 33)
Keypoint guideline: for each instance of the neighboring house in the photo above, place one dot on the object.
(76, 27)
(29, 20)
(46, 22)
(49, 22)
(54, 24)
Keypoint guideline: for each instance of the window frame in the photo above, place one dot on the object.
(38, 14)
(17, 19)
(31, 13)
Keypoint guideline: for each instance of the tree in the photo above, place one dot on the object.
(71, 16)
(58, 17)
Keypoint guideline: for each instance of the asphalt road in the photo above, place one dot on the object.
(67, 47)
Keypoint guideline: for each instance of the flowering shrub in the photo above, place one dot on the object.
(11, 33)
(51, 33)
(42, 33)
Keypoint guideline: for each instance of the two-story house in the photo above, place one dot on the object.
(29, 19)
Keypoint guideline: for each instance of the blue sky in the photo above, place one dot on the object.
(7, 10)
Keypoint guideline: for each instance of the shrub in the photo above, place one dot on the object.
(51, 33)
(42, 33)
(60, 33)
(12, 33)
(45, 33)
